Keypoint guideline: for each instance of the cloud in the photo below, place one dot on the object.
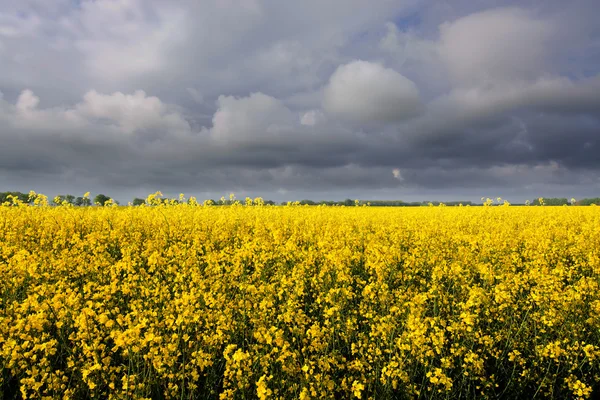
(213, 45)
(27, 101)
(397, 174)
(131, 112)
(407, 48)
(551, 95)
(312, 117)
(15, 27)
(364, 91)
(195, 94)
(505, 44)
(250, 117)
(122, 39)
(302, 100)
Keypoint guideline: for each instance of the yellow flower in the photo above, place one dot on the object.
(262, 391)
(357, 389)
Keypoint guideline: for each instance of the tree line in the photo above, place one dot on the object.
(60, 199)
(102, 199)
(561, 201)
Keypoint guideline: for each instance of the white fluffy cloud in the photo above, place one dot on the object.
(27, 101)
(365, 91)
(312, 117)
(397, 174)
(118, 113)
(250, 117)
(131, 112)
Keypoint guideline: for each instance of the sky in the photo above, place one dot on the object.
(289, 100)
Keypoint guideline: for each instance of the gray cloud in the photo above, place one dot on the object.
(210, 97)
(503, 44)
(365, 91)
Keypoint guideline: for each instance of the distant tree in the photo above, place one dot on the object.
(550, 201)
(457, 203)
(83, 201)
(327, 202)
(60, 199)
(138, 202)
(57, 201)
(4, 197)
(307, 202)
(348, 202)
(101, 199)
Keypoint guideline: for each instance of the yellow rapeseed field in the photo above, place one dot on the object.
(251, 301)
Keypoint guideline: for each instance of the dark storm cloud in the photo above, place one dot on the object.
(310, 99)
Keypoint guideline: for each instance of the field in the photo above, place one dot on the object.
(190, 301)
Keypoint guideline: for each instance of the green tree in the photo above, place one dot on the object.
(82, 201)
(101, 199)
(138, 202)
(4, 196)
(69, 198)
(551, 201)
(307, 202)
(57, 201)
